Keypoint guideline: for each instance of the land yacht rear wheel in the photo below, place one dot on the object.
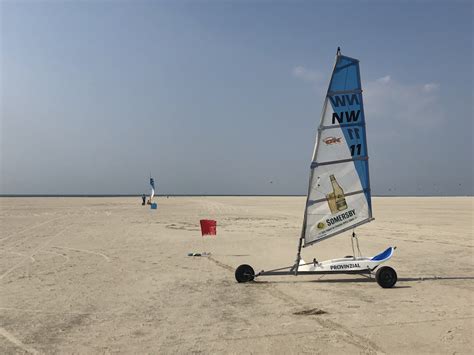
(386, 277)
(244, 273)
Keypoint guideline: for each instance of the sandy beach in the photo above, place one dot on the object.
(107, 275)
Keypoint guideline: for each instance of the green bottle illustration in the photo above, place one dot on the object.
(336, 199)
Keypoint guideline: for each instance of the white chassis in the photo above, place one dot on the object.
(386, 277)
(352, 264)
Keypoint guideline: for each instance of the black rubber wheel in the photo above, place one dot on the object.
(244, 273)
(386, 277)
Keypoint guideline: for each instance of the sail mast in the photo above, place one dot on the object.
(303, 229)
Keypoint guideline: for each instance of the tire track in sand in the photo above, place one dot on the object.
(31, 228)
(11, 338)
(348, 336)
(85, 251)
(29, 256)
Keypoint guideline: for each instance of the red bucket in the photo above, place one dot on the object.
(208, 227)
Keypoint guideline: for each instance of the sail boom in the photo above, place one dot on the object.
(339, 231)
(312, 202)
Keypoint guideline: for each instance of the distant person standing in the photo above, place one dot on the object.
(143, 199)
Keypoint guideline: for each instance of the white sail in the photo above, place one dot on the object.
(339, 189)
(152, 188)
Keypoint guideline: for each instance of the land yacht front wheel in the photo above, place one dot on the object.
(244, 273)
(386, 277)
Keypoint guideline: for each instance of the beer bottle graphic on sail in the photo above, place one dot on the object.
(336, 199)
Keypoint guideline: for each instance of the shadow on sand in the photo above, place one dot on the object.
(367, 279)
(400, 279)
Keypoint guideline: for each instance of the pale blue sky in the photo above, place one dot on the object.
(221, 98)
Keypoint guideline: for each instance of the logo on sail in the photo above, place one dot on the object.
(332, 140)
(344, 217)
(336, 199)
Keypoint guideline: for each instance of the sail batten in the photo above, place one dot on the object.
(316, 164)
(322, 128)
(339, 196)
(355, 91)
(312, 202)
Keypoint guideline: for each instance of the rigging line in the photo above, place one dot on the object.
(352, 244)
(358, 247)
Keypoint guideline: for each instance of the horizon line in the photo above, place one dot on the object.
(205, 195)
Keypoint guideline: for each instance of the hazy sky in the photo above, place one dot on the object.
(221, 98)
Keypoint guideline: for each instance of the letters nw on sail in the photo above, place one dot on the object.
(339, 192)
